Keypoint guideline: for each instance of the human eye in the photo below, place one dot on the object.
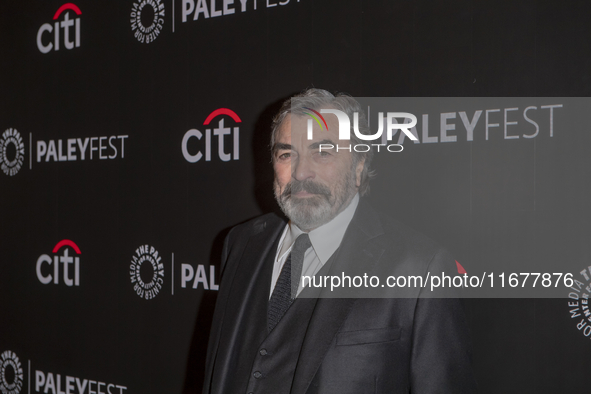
(283, 155)
(322, 155)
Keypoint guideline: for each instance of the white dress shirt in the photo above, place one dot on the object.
(325, 240)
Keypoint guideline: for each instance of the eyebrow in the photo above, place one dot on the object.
(316, 145)
(281, 146)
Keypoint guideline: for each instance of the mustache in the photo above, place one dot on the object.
(311, 187)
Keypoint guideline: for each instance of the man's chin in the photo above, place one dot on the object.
(308, 214)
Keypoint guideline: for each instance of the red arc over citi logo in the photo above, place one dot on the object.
(221, 131)
(47, 42)
(46, 276)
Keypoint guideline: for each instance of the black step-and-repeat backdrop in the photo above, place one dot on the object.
(134, 135)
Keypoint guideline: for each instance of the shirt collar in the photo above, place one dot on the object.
(327, 238)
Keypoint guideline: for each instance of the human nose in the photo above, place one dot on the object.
(302, 169)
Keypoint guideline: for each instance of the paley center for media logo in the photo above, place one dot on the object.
(69, 28)
(12, 152)
(147, 272)
(579, 305)
(48, 267)
(11, 373)
(224, 134)
(147, 20)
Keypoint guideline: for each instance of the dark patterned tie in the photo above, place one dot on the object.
(286, 288)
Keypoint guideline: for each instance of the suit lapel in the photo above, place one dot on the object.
(253, 275)
(249, 287)
(359, 252)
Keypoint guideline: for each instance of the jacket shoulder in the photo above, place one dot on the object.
(374, 222)
(411, 237)
(417, 251)
(253, 226)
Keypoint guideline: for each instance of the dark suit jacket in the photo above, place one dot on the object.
(395, 345)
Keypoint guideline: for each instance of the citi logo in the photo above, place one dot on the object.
(224, 135)
(45, 263)
(46, 42)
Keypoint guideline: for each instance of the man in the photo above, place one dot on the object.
(270, 335)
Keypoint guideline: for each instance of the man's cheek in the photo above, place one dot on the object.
(282, 171)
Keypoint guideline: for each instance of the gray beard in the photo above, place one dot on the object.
(312, 212)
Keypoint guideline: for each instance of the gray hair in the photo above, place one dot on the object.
(317, 98)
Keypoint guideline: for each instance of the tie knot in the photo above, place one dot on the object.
(301, 244)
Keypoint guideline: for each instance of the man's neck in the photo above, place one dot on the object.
(327, 238)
